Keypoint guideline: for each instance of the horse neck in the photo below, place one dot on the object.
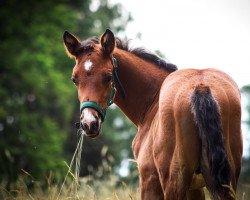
(141, 81)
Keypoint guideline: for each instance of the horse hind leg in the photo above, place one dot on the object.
(176, 153)
(175, 177)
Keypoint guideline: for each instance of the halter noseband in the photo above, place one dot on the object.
(114, 79)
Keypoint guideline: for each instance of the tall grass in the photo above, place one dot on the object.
(93, 187)
(104, 184)
(89, 188)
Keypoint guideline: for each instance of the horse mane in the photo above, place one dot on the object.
(138, 51)
(146, 55)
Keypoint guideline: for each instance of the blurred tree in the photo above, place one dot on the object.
(246, 91)
(35, 72)
(33, 114)
(245, 173)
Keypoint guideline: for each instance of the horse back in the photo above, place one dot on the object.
(178, 87)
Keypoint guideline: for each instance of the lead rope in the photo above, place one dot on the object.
(77, 164)
(77, 158)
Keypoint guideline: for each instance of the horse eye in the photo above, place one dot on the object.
(107, 78)
(74, 80)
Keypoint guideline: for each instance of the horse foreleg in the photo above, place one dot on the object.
(196, 194)
(149, 180)
(150, 188)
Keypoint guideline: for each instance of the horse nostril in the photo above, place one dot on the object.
(94, 126)
(85, 126)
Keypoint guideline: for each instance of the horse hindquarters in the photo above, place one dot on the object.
(215, 166)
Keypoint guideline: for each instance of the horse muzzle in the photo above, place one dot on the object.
(90, 122)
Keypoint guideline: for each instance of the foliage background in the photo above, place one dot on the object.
(38, 102)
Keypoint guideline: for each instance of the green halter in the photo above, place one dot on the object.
(94, 105)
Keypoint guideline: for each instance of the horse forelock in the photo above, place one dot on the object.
(87, 45)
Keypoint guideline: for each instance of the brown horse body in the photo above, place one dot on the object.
(188, 121)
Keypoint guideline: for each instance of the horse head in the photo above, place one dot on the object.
(93, 76)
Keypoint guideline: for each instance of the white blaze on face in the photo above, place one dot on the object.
(88, 65)
(88, 116)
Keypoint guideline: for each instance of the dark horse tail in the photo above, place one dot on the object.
(214, 164)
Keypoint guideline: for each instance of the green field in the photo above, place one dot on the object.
(89, 188)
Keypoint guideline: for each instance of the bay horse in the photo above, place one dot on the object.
(189, 121)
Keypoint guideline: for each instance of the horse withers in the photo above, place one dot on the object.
(189, 121)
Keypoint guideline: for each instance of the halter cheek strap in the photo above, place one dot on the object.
(94, 105)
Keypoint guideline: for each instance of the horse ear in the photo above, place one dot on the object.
(71, 43)
(108, 42)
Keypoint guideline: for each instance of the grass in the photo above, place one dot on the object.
(89, 188)
(98, 187)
